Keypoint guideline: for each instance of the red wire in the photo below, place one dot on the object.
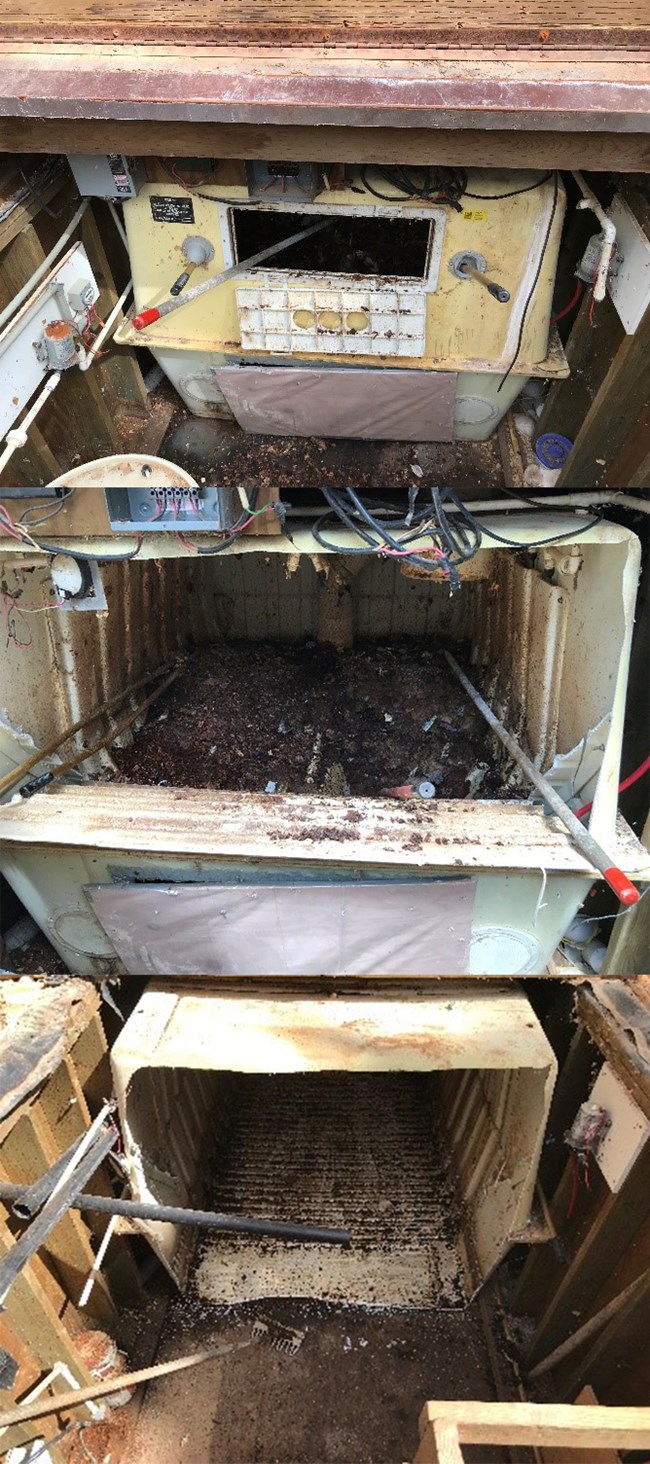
(574, 1185)
(571, 305)
(627, 783)
(185, 542)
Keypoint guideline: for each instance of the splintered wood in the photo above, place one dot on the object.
(243, 21)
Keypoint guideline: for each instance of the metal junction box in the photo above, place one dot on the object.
(166, 510)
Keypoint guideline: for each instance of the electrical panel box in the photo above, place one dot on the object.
(301, 181)
(107, 175)
(166, 510)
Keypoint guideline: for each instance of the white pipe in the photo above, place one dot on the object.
(504, 505)
(54, 253)
(96, 1266)
(87, 362)
(17, 437)
(608, 230)
(118, 224)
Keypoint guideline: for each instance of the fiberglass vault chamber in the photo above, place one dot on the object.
(416, 1124)
(149, 878)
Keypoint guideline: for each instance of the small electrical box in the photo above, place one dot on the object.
(300, 181)
(166, 510)
(107, 175)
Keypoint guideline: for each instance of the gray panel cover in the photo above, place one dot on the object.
(407, 406)
(289, 930)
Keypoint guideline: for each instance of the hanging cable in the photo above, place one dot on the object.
(513, 193)
(531, 292)
(454, 540)
(435, 185)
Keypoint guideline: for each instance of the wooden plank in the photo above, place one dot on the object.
(590, 350)
(24, 255)
(25, 212)
(595, 152)
(601, 1246)
(28, 1153)
(30, 1312)
(121, 368)
(614, 412)
(560, 1455)
(35, 463)
(631, 466)
(78, 419)
(583, 1425)
(606, 1360)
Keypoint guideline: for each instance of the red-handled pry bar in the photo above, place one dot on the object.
(584, 841)
(156, 312)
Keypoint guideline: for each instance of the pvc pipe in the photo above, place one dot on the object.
(505, 505)
(608, 229)
(17, 437)
(54, 253)
(92, 351)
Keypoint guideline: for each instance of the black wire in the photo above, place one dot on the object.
(439, 185)
(90, 558)
(514, 192)
(235, 533)
(456, 541)
(537, 543)
(31, 188)
(210, 197)
(533, 287)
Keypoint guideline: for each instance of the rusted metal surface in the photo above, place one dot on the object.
(608, 91)
(39, 1023)
(351, 831)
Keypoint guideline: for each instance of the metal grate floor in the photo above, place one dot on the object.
(364, 1151)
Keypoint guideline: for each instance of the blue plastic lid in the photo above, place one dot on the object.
(552, 449)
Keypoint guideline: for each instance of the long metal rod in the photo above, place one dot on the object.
(30, 1200)
(81, 757)
(147, 317)
(59, 1202)
(16, 775)
(204, 1219)
(585, 842)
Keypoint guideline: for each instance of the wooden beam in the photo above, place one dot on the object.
(543, 1424)
(25, 212)
(614, 413)
(593, 151)
(601, 1246)
(590, 350)
(561, 1455)
(33, 465)
(121, 368)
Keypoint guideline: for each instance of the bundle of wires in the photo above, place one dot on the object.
(432, 185)
(19, 530)
(389, 531)
(248, 514)
(456, 534)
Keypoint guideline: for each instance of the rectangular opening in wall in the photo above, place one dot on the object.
(400, 1123)
(350, 245)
